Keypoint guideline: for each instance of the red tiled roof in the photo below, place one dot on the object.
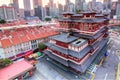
(14, 33)
(15, 69)
(31, 36)
(20, 32)
(16, 40)
(19, 35)
(5, 43)
(37, 36)
(24, 38)
(7, 32)
(1, 34)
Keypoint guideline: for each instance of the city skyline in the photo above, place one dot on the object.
(59, 39)
(7, 2)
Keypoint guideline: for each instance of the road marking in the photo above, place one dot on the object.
(109, 51)
(37, 77)
(113, 52)
(106, 76)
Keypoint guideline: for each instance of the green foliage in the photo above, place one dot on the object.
(2, 21)
(4, 62)
(56, 17)
(41, 46)
(47, 19)
(77, 11)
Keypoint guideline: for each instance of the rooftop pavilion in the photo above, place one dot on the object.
(88, 23)
(78, 42)
(64, 37)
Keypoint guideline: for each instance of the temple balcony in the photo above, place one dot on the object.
(97, 39)
(69, 57)
(78, 45)
(62, 44)
(62, 40)
(65, 57)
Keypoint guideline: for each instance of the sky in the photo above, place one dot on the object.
(4, 2)
(44, 2)
(56, 1)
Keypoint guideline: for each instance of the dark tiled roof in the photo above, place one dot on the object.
(68, 13)
(80, 40)
(99, 15)
(94, 20)
(89, 36)
(59, 49)
(78, 15)
(80, 54)
(90, 20)
(64, 38)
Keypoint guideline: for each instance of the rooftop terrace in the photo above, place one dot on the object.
(78, 42)
(64, 37)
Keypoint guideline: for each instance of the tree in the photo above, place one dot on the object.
(4, 62)
(78, 11)
(41, 46)
(47, 19)
(2, 21)
(56, 17)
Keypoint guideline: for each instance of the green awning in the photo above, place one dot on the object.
(39, 54)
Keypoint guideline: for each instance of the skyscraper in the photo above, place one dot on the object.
(28, 8)
(107, 4)
(8, 13)
(95, 6)
(17, 4)
(113, 9)
(79, 4)
(66, 5)
(60, 9)
(52, 8)
(38, 8)
(118, 9)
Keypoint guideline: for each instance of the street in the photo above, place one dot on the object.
(109, 67)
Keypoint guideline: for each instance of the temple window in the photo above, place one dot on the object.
(76, 49)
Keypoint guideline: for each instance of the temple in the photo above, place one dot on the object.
(82, 37)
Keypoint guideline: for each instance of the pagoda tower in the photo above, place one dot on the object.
(82, 37)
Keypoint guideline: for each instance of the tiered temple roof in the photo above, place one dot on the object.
(82, 38)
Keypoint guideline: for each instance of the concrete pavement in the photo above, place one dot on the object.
(109, 67)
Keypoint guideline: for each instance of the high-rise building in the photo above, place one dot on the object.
(51, 3)
(45, 12)
(113, 9)
(28, 8)
(107, 4)
(71, 7)
(118, 9)
(66, 5)
(38, 8)
(8, 13)
(52, 6)
(17, 4)
(95, 6)
(82, 40)
(47, 9)
(60, 9)
(79, 4)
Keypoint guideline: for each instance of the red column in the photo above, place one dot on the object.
(82, 26)
(90, 27)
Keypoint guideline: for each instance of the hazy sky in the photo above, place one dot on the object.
(44, 1)
(4, 2)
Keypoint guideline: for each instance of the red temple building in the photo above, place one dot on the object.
(82, 37)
